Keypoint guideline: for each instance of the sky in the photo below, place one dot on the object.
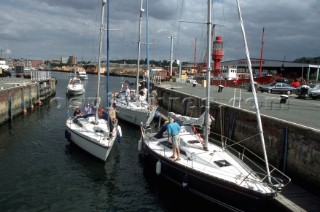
(51, 29)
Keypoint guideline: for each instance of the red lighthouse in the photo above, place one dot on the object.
(217, 55)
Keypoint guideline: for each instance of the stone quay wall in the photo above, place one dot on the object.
(291, 148)
(20, 97)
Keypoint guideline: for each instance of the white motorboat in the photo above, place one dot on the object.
(83, 75)
(75, 86)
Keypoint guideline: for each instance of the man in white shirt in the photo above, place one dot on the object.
(87, 109)
(143, 94)
(127, 95)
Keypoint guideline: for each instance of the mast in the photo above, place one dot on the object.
(262, 45)
(254, 93)
(108, 50)
(195, 54)
(171, 54)
(207, 107)
(147, 36)
(99, 58)
(139, 47)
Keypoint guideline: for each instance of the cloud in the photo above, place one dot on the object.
(45, 29)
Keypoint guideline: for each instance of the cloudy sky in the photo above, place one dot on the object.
(49, 29)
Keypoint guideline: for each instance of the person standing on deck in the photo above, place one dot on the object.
(87, 109)
(128, 93)
(173, 130)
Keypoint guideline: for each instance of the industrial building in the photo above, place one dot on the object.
(302, 71)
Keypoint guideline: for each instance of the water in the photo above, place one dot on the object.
(42, 171)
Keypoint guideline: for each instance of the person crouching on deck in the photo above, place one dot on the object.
(173, 130)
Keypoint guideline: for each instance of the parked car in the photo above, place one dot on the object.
(277, 87)
(314, 92)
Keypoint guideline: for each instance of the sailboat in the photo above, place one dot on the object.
(138, 110)
(96, 132)
(215, 170)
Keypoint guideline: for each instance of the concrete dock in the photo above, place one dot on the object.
(17, 95)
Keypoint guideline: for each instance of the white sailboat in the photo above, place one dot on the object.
(138, 109)
(95, 133)
(212, 170)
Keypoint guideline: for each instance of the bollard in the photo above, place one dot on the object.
(304, 92)
(220, 88)
(283, 99)
(194, 84)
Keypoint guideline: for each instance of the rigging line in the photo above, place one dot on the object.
(82, 42)
(178, 36)
(223, 18)
(136, 32)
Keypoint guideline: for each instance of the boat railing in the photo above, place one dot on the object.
(40, 75)
(276, 180)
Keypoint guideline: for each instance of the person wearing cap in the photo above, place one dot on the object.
(173, 130)
(87, 109)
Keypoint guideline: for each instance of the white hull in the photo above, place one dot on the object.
(136, 112)
(75, 91)
(92, 138)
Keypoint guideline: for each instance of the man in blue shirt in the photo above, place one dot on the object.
(173, 129)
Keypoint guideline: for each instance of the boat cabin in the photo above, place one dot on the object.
(229, 72)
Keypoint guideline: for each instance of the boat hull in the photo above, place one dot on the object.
(75, 90)
(75, 93)
(206, 186)
(135, 116)
(96, 144)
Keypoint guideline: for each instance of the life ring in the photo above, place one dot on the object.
(158, 167)
(140, 145)
(185, 181)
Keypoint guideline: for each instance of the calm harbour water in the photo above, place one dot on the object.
(42, 171)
